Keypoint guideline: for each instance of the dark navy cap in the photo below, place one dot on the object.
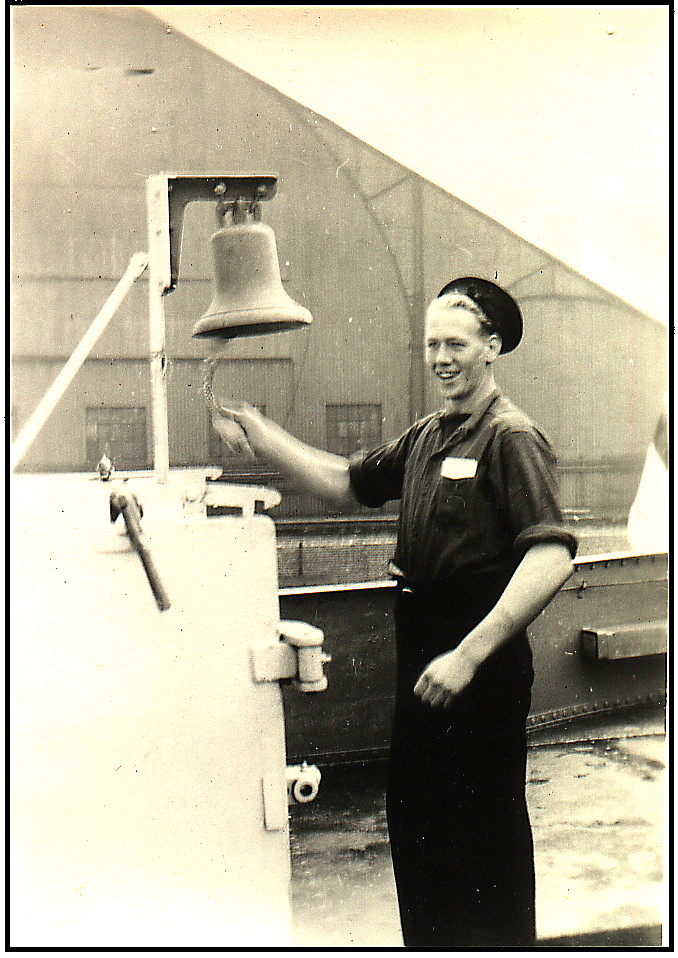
(501, 309)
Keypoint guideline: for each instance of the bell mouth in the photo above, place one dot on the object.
(257, 321)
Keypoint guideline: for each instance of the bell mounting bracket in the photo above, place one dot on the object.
(168, 195)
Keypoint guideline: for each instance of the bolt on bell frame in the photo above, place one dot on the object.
(249, 298)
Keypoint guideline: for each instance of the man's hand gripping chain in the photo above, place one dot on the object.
(224, 420)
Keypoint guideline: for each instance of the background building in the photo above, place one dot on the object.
(102, 97)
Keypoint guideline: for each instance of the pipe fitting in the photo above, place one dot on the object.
(307, 640)
(303, 782)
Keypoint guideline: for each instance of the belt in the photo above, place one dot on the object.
(404, 583)
(489, 579)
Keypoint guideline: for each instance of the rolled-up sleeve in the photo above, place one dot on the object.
(377, 476)
(528, 490)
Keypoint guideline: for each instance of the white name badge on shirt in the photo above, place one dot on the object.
(452, 468)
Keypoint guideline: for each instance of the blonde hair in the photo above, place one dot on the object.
(451, 301)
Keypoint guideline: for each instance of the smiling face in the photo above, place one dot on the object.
(460, 352)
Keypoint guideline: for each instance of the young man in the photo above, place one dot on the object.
(481, 550)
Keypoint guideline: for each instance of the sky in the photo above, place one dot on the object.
(553, 120)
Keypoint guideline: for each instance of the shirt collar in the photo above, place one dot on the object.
(470, 424)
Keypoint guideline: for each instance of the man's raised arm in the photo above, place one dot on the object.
(316, 471)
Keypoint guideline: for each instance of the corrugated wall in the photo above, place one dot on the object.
(104, 97)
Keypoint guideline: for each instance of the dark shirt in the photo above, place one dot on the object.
(458, 524)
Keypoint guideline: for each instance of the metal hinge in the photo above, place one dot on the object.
(298, 654)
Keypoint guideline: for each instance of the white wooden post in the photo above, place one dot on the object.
(157, 205)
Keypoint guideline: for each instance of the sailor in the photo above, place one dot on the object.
(481, 550)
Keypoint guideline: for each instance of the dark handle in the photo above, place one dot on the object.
(122, 502)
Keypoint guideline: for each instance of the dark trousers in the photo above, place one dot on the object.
(458, 822)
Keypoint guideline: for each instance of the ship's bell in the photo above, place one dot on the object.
(249, 299)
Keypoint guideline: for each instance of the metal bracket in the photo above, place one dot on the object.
(274, 793)
(297, 655)
(272, 663)
(183, 189)
(228, 498)
(307, 641)
(624, 641)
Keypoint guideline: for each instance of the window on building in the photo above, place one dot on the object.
(118, 431)
(352, 426)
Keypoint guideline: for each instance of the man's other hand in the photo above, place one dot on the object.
(444, 678)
